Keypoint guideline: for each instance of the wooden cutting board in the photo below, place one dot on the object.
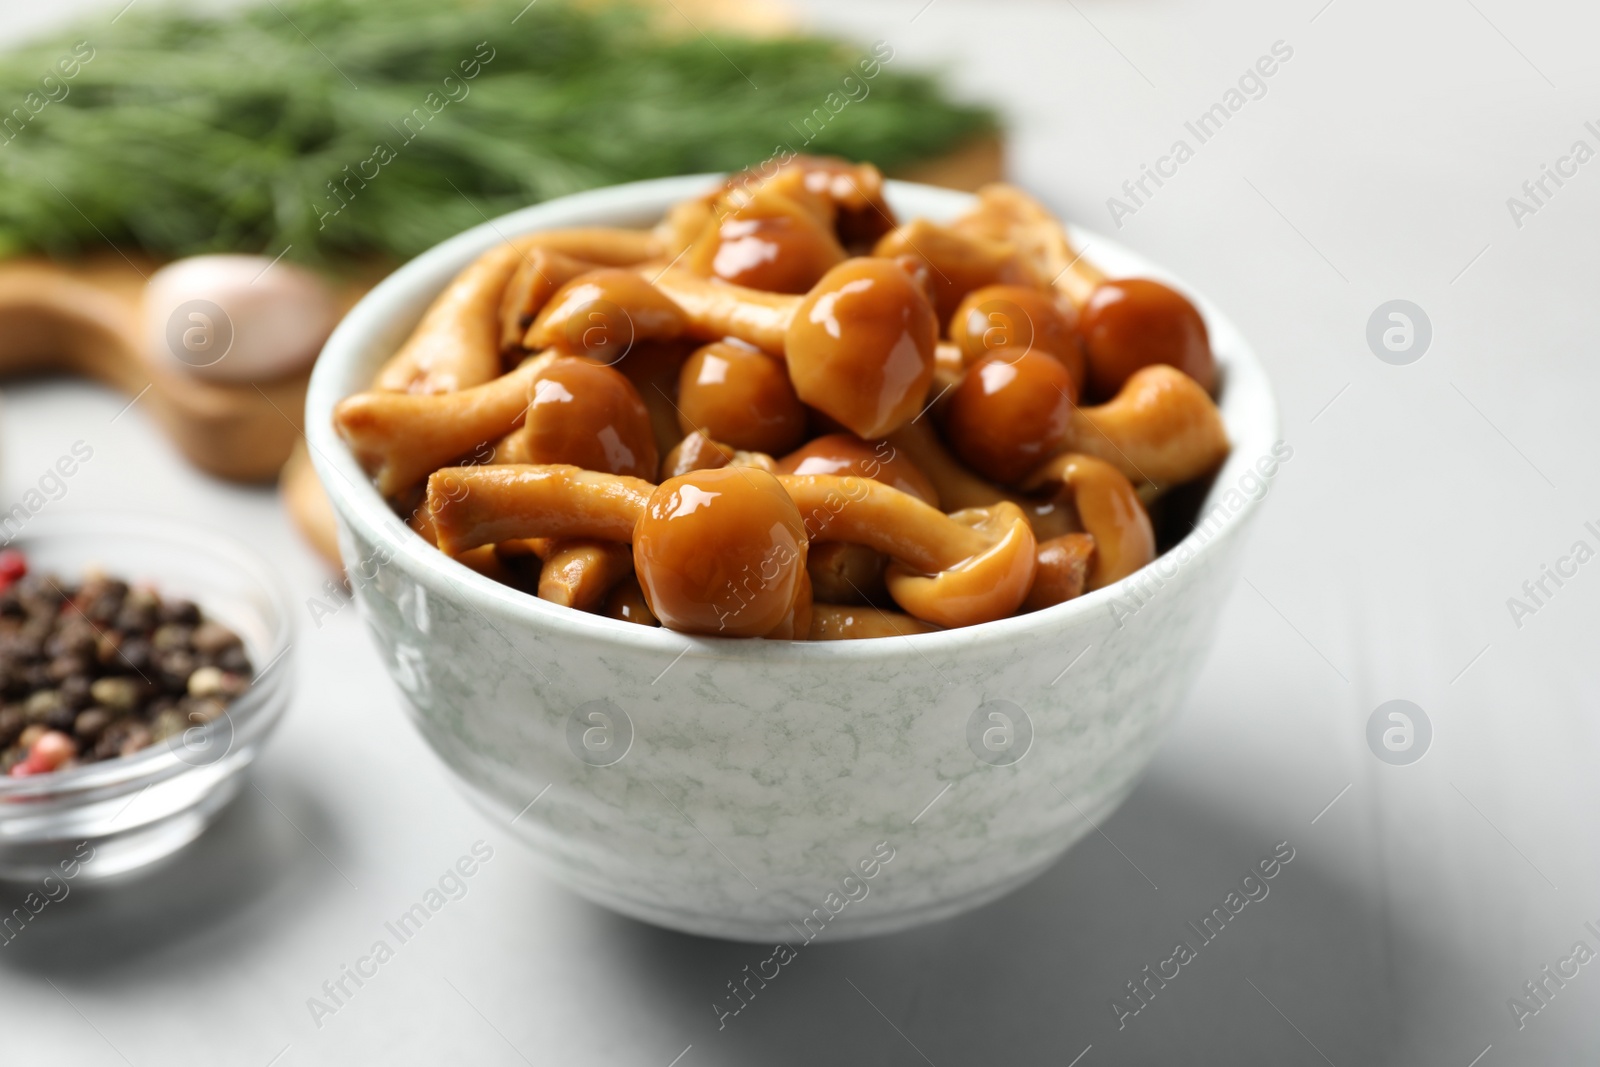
(83, 320)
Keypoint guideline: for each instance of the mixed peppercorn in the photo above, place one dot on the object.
(101, 669)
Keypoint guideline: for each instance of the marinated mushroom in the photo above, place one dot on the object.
(1008, 414)
(954, 570)
(603, 314)
(843, 453)
(585, 414)
(401, 438)
(457, 343)
(539, 274)
(722, 552)
(1109, 509)
(1161, 428)
(696, 452)
(859, 346)
(740, 396)
(1132, 323)
(957, 262)
(485, 505)
(1061, 572)
(1005, 320)
(579, 573)
(769, 240)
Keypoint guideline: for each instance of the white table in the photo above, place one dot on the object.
(1376, 166)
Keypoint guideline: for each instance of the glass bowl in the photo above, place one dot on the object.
(116, 815)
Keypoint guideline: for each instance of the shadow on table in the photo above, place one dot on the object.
(1300, 977)
(250, 854)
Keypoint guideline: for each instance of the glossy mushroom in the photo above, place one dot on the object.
(846, 573)
(1132, 323)
(696, 452)
(1009, 414)
(538, 276)
(957, 262)
(1006, 214)
(740, 396)
(402, 438)
(1109, 508)
(768, 240)
(1126, 323)
(721, 552)
(1161, 428)
(457, 343)
(472, 506)
(585, 414)
(846, 454)
(603, 314)
(859, 345)
(954, 570)
(1006, 320)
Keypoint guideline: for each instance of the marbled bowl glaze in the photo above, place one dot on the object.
(757, 780)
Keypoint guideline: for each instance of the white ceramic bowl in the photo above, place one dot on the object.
(764, 790)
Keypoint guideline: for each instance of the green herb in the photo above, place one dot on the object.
(189, 133)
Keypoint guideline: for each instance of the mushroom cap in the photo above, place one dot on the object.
(843, 453)
(1010, 413)
(983, 588)
(589, 416)
(1130, 323)
(771, 241)
(721, 552)
(860, 347)
(603, 314)
(1006, 319)
(1110, 510)
(740, 396)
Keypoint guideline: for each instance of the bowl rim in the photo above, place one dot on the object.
(252, 713)
(1248, 407)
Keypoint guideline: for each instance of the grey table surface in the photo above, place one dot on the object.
(1375, 164)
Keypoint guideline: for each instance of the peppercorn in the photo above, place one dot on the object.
(98, 670)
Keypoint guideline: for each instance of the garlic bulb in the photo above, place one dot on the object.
(234, 319)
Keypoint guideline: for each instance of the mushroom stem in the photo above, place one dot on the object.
(844, 573)
(538, 276)
(839, 622)
(953, 570)
(580, 573)
(1062, 571)
(716, 309)
(866, 512)
(1110, 510)
(960, 488)
(404, 437)
(983, 588)
(474, 506)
